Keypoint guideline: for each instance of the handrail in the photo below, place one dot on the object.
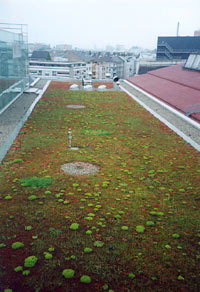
(188, 50)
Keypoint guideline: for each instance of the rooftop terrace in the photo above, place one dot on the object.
(132, 226)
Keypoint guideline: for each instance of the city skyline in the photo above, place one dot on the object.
(94, 23)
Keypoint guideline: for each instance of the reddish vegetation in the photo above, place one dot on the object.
(66, 85)
(54, 85)
(141, 209)
(107, 84)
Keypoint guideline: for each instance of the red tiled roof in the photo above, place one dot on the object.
(174, 85)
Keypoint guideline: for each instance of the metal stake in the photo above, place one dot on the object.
(70, 138)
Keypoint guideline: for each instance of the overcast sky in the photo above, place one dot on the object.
(90, 23)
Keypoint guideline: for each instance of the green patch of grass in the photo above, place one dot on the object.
(36, 182)
(96, 133)
(18, 160)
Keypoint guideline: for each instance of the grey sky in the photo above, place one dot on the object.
(86, 23)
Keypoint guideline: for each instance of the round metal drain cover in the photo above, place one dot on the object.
(79, 168)
(75, 106)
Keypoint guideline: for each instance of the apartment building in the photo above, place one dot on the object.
(104, 67)
(53, 69)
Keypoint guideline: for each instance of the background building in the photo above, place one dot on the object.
(56, 69)
(63, 47)
(197, 33)
(41, 55)
(177, 48)
(13, 62)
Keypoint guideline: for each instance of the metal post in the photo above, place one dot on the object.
(70, 138)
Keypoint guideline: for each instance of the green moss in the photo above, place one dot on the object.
(85, 279)
(121, 212)
(88, 218)
(18, 160)
(98, 243)
(87, 250)
(131, 275)
(34, 236)
(8, 197)
(140, 229)
(74, 226)
(124, 228)
(167, 246)
(154, 213)
(48, 255)
(30, 261)
(88, 232)
(25, 272)
(47, 192)
(68, 273)
(17, 245)
(28, 228)
(150, 223)
(181, 190)
(32, 198)
(18, 269)
(75, 185)
(175, 235)
(91, 215)
(118, 217)
(2, 245)
(180, 278)
(160, 214)
(55, 232)
(98, 206)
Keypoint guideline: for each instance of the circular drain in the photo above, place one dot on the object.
(75, 106)
(79, 168)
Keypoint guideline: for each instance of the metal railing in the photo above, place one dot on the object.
(172, 50)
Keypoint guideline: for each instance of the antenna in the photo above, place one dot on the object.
(177, 31)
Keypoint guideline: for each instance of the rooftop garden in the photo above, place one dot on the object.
(131, 226)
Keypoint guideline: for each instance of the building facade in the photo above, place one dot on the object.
(107, 66)
(14, 76)
(53, 69)
(177, 48)
(197, 33)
